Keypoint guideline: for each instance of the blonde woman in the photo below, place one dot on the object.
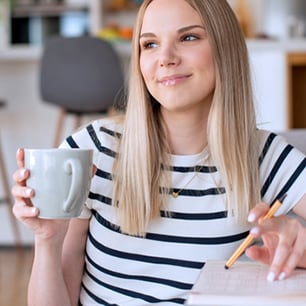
(178, 176)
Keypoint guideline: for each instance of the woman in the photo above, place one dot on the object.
(177, 177)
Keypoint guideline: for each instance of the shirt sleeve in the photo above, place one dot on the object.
(282, 170)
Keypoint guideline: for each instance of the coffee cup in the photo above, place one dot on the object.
(61, 180)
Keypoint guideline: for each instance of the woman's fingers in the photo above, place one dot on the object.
(23, 207)
(23, 211)
(20, 176)
(296, 254)
(22, 192)
(20, 157)
(284, 245)
(289, 250)
(259, 253)
(258, 212)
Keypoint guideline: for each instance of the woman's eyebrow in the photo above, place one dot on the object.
(148, 34)
(181, 30)
(191, 27)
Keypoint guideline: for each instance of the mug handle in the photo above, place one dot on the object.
(74, 168)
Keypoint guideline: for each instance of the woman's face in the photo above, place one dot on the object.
(176, 59)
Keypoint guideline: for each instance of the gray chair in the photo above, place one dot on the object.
(82, 76)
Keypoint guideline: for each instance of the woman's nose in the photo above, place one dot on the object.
(168, 56)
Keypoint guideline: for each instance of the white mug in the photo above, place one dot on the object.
(61, 180)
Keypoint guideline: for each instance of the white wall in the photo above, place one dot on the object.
(25, 122)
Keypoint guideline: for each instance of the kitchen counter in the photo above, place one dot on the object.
(286, 45)
(33, 53)
(22, 53)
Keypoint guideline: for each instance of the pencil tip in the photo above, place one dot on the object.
(226, 267)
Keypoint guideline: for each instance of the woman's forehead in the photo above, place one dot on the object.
(170, 14)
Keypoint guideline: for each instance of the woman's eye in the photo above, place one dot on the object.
(149, 45)
(189, 37)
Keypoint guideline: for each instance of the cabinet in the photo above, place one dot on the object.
(279, 78)
(26, 27)
(32, 24)
(296, 80)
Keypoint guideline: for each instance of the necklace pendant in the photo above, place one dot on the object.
(175, 194)
(197, 169)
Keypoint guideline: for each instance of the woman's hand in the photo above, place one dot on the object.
(24, 210)
(284, 242)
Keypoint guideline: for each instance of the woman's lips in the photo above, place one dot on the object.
(173, 80)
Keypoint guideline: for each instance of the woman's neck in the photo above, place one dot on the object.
(187, 132)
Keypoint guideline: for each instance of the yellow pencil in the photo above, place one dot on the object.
(276, 205)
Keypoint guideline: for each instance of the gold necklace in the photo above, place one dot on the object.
(197, 169)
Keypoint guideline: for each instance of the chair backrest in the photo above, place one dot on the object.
(80, 74)
(296, 137)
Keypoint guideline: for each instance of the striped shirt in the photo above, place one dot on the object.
(161, 267)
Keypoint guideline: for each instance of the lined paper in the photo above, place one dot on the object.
(245, 283)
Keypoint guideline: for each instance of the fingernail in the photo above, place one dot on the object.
(34, 210)
(282, 276)
(18, 151)
(271, 277)
(23, 171)
(254, 231)
(251, 217)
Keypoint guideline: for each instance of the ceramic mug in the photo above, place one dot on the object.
(61, 180)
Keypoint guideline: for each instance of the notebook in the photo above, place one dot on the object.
(245, 283)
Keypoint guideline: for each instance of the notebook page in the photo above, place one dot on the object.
(245, 283)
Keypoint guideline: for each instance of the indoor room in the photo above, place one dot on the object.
(39, 109)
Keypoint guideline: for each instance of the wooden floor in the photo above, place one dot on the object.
(15, 267)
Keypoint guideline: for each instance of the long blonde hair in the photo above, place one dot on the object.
(140, 184)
